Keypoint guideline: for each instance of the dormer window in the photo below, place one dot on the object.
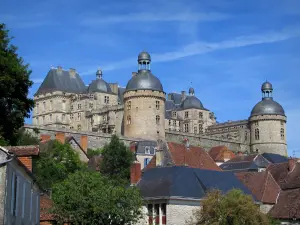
(147, 150)
(186, 114)
(174, 114)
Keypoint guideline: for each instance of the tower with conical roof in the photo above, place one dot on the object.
(268, 124)
(144, 103)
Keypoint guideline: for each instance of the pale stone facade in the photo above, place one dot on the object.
(141, 110)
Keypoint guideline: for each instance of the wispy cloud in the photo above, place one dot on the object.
(152, 17)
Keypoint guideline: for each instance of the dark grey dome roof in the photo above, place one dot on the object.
(144, 80)
(266, 86)
(99, 85)
(144, 56)
(192, 102)
(267, 107)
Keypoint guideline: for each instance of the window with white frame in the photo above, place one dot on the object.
(186, 114)
(157, 105)
(186, 127)
(129, 105)
(106, 99)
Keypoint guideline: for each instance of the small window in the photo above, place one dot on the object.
(64, 104)
(246, 135)
(200, 115)
(174, 122)
(106, 99)
(91, 96)
(51, 105)
(128, 120)
(195, 130)
(157, 105)
(71, 107)
(79, 116)
(147, 150)
(129, 105)
(91, 105)
(44, 106)
(169, 122)
(174, 114)
(79, 106)
(71, 127)
(50, 117)
(78, 127)
(79, 97)
(186, 127)
(282, 133)
(186, 114)
(256, 134)
(157, 119)
(200, 128)
(71, 116)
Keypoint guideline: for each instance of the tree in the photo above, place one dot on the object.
(234, 208)
(117, 159)
(93, 152)
(87, 197)
(56, 162)
(26, 138)
(14, 88)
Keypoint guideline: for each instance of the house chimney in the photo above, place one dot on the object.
(169, 96)
(183, 96)
(134, 74)
(135, 172)
(292, 164)
(84, 142)
(60, 137)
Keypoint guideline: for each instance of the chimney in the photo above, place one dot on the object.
(135, 172)
(159, 153)
(292, 164)
(60, 137)
(183, 96)
(84, 142)
(169, 96)
(134, 74)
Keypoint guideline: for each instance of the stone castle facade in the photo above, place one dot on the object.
(142, 110)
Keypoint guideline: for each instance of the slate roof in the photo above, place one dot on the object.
(245, 163)
(121, 91)
(185, 182)
(62, 80)
(275, 158)
(218, 153)
(179, 155)
(28, 150)
(261, 184)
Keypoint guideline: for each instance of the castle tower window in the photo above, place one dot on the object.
(79, 106)
(200, 115)
(174, 122)
(186, 127)
(71, 107)
(256, 134)
(50, 117)
(282, 133)
(157, 105)
(64, 104)
(169, 122)
(78, 127)
(71, 116)
(91, 105)
(44, 106)
(200, 128)
(91, 96)
(51, 105)
(128, 120)
(157, 119)
(43, 119)
(129, 105)
(37, 108)
(256, 123)
(71, 127)
(106, 99)
(79, 116)
(186, 114)
(174, 114)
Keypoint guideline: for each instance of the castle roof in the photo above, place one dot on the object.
(267, 106)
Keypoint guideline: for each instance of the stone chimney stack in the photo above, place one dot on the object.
(292, 164)
(159, 154)
(135, 172)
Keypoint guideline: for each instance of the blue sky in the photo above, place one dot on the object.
(225, 48)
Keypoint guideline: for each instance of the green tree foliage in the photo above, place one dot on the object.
(117, 159)
(26, 138)
(93, 152)
(234, 208)
(56, 162)
(87, 197)
(14, 87)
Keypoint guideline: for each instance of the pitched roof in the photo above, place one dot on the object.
(261, 184)
(275, 158)
(62, 80)
(186, 182)
(288, 205)
(29, 150)
(45, 207)
(218, 153)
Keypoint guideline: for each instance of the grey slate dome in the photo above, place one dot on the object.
(144, 80)
(99, 85)
(192, 102)
(267, 107)
(266, 86)
(144, 56)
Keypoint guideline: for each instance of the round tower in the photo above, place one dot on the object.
(144, 103)
(268, 124)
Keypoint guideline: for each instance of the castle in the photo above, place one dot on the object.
(142, 110)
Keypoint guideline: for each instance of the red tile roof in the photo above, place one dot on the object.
(261, 184)
(29, 150)
(219, 153)
(45, 207)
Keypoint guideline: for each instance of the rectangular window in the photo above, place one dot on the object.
(79, 106)
(44, 106)
(157, 105)
(174, 114)
(156, 211)
(64, 105)
(128, 120)
(51, 105)
(157, 119)
(186, 114)
(129, 105)
(71, 107)
(91, 96)
(282, 133)
(71, 116)
(78, 127)
(200, 115)
(79, 116)
(150, 213)
(50, 117)
(43, 119)
(200, 128)
(256, 134)
(37, 108)
(174, 122)
(169, 122)
(186, 127)
(106, 99)
(91, 105)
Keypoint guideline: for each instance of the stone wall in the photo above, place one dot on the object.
(180, 213)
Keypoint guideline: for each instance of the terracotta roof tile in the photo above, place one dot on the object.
(151, 164)
(29, 150)
(220, 153)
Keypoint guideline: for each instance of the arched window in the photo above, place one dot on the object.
(200, 128)
(200, 115)
(157, 119)
(78, 127)
(128, 120)
(256, 134)
(282, 133)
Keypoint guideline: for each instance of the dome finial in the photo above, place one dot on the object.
(266, 89)
(99, 74)
(191, 90)
(144, 60)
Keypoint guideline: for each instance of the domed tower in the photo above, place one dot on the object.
(268, 124)
(144, 103)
